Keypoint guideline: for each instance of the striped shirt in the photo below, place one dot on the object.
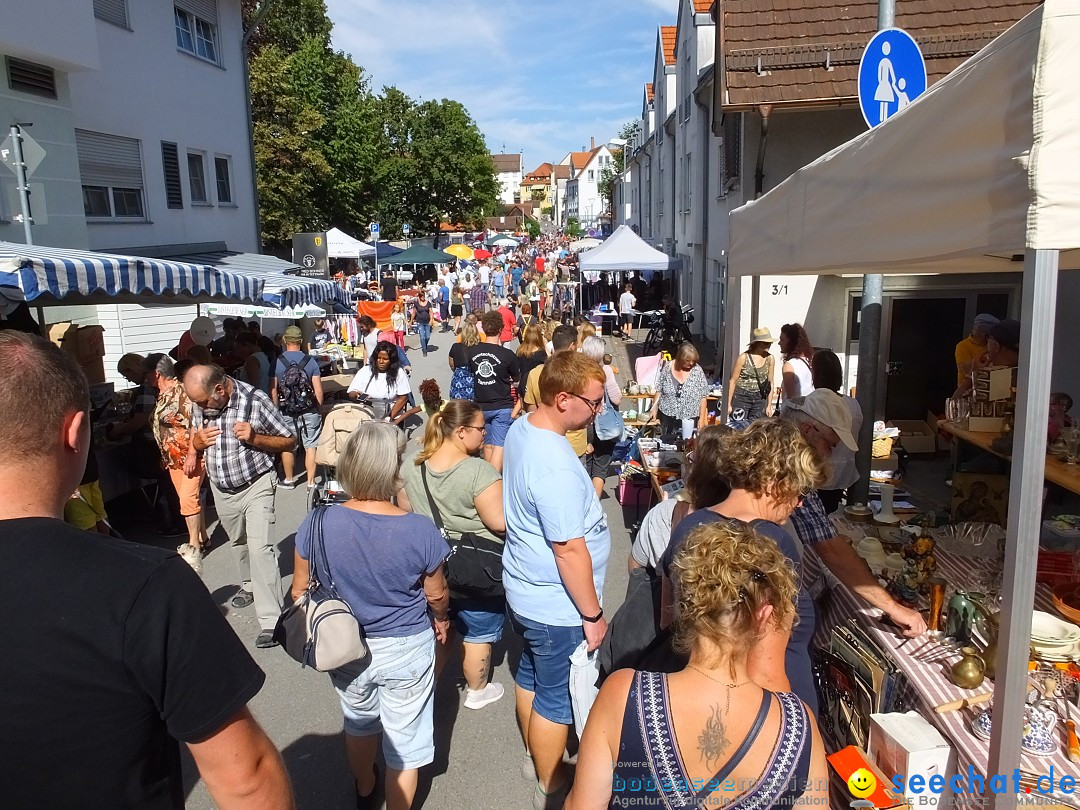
(231, 464)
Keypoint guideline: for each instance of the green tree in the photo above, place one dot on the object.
(573, 228)
(532, 227)
(288, 24)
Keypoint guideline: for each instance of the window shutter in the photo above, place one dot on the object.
(203, 9)
(112, 11)
(170, 164)
(30, 77)
(108, 160)
(732, 150)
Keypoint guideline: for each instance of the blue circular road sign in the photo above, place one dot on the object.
(892, 74)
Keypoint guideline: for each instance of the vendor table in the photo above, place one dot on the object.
(1058, 472)
(926, 663)
(336, 384)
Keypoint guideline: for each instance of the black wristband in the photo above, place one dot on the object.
(593, 619)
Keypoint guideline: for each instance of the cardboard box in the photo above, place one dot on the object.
(885, 464)
(916, 436)
(905, 744)
(986, 424)
(994, 383)
(85, 343)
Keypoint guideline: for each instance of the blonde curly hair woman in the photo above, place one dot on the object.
(769, 466)
(735, 589)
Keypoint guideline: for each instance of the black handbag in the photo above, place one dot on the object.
(474, 565)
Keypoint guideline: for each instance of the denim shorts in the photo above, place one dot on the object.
(498, 425)
(478, 621)
(544, 668)
(393, 694)
(308, 427)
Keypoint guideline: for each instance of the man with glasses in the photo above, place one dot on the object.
(240, 431)
(825, 422)
(554, 561)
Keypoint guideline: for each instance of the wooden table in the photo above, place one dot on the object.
(1057, 471)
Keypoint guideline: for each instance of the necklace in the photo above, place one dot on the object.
(716, 680)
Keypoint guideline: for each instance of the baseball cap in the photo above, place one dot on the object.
(293, 334)
(202, 330)
(985, 320)
(828, 408)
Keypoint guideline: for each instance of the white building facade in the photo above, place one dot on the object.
(141, 110)
(509, 171)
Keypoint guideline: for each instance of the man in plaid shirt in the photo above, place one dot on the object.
(478, 299)
(239, 430)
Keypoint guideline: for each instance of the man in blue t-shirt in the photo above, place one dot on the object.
(299, 402)
(444, 304)
(517, 271)
(557, 545)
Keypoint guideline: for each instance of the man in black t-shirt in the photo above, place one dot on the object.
(495, 370)
(389, 286)
(115, 651)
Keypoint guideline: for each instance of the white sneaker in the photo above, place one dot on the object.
(480, 698)
(192, 556)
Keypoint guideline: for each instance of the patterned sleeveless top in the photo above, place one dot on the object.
(650, 770)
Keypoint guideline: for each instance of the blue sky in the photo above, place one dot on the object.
(539, 77)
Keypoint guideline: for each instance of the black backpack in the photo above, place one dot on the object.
(295, 392)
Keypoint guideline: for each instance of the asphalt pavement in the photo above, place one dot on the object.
(478, 753)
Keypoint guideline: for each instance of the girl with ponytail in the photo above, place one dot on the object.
(467, 493)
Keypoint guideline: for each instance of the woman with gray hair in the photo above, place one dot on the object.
(598, 454)
(386, 563)
(171, 424)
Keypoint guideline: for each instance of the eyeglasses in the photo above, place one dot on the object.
(594, 404)
(482, 428)
(830, 442)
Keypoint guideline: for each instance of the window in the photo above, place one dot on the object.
(731, 155)
(682, 177)
(689, 182)
(110, 167)
(170, 165)
(112, 11)
(197, 178)
(224, 185)
(196, 24)
(30, 77)
(590, 174)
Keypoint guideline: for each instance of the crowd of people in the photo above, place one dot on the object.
(511, 465)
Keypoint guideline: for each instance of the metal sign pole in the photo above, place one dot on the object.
(24, 188)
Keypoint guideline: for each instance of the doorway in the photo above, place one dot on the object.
(919, 338)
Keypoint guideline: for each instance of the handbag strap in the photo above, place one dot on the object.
(750, 360)
(431, 501)
(318, 549)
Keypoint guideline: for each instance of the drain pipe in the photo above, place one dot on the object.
(706, 173)
(765, 111)
(245, 41)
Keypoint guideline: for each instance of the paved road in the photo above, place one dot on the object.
(478, 753)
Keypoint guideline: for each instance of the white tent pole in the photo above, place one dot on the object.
(1025, 513)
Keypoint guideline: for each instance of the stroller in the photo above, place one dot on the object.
(339, 424)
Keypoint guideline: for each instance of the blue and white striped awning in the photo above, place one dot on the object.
(297, 291)
(46, 275)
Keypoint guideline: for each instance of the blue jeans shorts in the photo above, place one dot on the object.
(544, 668)
(393, 694)
(479, 621)
(308, 427)
(498, 425)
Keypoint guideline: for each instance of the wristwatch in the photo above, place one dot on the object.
(593, 619)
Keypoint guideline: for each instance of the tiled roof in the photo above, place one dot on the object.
(776, 51)
(562, 172)
(667, 42)
(543, 170)
(581, 159)
(702, 6)
(507, 163)
(649, 92)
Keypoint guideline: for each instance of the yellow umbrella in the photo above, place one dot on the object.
(461, 251)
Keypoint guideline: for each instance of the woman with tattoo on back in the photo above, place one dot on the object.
(708, 735)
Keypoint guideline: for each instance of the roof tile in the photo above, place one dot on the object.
(667, 42)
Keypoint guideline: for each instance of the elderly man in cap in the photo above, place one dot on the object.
(239, 430)
(825, 421)
(971, 348)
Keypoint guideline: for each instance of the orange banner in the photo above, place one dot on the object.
(379, 311)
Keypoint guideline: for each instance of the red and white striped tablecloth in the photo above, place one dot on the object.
(927, 664)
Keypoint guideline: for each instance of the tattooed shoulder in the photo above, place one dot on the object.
(713, 741)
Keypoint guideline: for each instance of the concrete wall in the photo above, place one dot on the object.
(58, 33)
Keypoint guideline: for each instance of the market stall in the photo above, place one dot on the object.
(622, 252)
(339, 245)
(976, 175)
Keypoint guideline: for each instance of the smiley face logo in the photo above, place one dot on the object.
(862, 783)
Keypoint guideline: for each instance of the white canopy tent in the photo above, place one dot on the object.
(339, 245)
(625, 250)
(980, 173)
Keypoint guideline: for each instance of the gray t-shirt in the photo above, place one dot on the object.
(454, 492)
(654, 534)
(377, 562)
